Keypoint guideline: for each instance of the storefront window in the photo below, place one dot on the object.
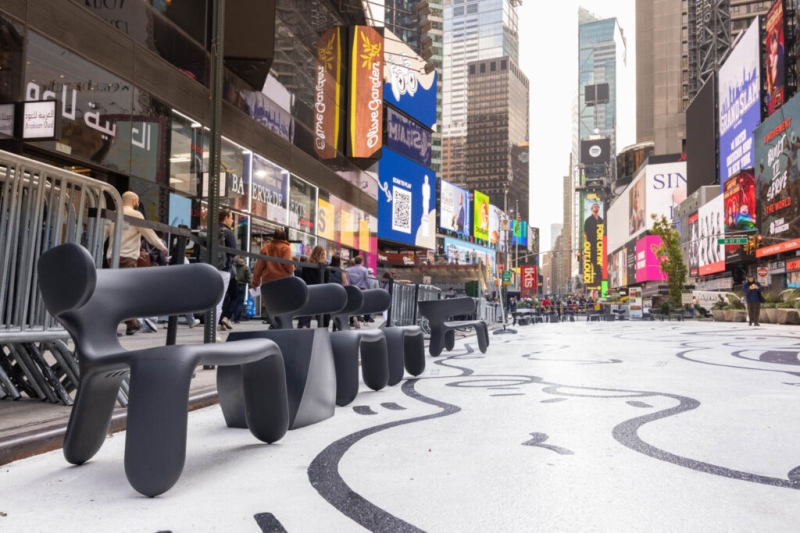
(149, 137)
(153, 198)
(302, 205)
(186, 154)
(261, 232)
(270, 190)
(95, 105)
(11, 51)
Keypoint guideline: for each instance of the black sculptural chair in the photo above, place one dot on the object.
(443, 334)
(307, 353)
(406, 350)
(371, 343)
(91, 303)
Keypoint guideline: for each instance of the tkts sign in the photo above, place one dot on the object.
(366, 93)
(328, 94)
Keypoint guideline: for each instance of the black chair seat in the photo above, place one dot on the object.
(438, 313)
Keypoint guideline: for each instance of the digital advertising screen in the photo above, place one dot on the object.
(407, 204)
(454, 209)
(775, 57)
(481, 220)
(406, 85)
(739, 104)
(406, 137)
(701, 137)
(740, 212)
(694, 245)
(593, 238)
(495, 214)
(710, 229)
(648, 265)
(366, 92)
(777, 177)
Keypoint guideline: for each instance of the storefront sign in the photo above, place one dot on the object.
(793, 265)
(407, 205)
(7, 112)
(406, 137)
(270, 190)
(327, 94)
(397, 259)
(40, 120)
(529, 278)
(776, 267)
(406, 85)
(366, 92)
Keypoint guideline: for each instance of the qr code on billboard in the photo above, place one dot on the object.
(401, 215)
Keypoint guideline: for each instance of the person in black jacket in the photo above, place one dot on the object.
(313, 276)
(225, 224)
(752, 292)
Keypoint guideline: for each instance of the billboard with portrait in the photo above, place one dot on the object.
(694, 245)
(481, 218)
(454, 209)
(495, 215)
(740, 212)
(778, 180)
(775, 67)
(593, 239)
(407, 204)
(406, 85)
(637, 197)
(366, 92)
(739, 103)
(711, 228)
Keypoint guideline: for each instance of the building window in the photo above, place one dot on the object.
(503, 65)
(493, 66)
(472, 69)
(483, 68)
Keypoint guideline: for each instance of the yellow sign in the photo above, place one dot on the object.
(326, 220)
(363, 236)
(346, 229)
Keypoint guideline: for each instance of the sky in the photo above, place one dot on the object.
(549, 57)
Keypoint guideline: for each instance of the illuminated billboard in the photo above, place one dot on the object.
(777, 175)
(366, 92)
(454, 209)
(740, 212)
(648, 265)
(739, 104)
(775, 67)
(594, 229)
(711, 228)
(328, 94)
(406, 85)
(495, 215)
(481, 218)
(694, 245)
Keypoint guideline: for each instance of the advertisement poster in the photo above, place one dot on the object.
(326, 220)
(328, 94)
(270, 191)
(406, 137)
(481, 222)
(637, 205)
(739, 104)
(454, 207)
(778, 180)
(635, 302)
(711, 228)
(407, 204)
(593, 234)
(495, 215)
(740, 212)
(529, 281)
(464, 253)
(406, 86)
(648, 265)
(366, 92)
(694, 245)
(775, 67)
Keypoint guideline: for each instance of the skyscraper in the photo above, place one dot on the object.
(400, 16)
(474, 30)
(436, 33)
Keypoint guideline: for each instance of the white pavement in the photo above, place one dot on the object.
(612, 427)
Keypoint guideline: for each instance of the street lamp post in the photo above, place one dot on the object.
(505, 225)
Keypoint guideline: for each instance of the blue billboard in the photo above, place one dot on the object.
(406, 201)
(406, 137)
(406, 85)
(739, 105)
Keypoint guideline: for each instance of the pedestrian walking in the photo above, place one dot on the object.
(225, 223)
(243, 280)
(752, 292)
(313, 276)
(131, 243)
(358, 275)
(335, 275)
(270, 270)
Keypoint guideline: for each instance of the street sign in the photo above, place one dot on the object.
(733, 240)
(506, 277)
(762, 272)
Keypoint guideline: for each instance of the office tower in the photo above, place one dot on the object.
(497, 151)
(400, 17)
(436, 33)
(555, 231)
(474, 30)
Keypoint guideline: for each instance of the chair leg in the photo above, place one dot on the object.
(266, 400)
(414, 354)
(437, 341)
(91, 414)
(395, 343)
(345, 359)
(449, 339)
(231, 396)
(482, 335)
(375, 363)
(155, 446)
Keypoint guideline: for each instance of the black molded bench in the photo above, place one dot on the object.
(91, 303)
(438, 313)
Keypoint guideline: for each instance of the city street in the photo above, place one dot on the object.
(611, 427)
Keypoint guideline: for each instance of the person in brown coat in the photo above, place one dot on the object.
(269, 270)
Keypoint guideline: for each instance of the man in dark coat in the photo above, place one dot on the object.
(752, 292)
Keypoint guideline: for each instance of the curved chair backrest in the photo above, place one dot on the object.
(282, 298)
(355, 299)
(325, 299)
(439, 311)
(91, 303)
(375, 301)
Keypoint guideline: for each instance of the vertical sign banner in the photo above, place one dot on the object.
(775, 67)
(711, 229)
(454, 209)
(694, 245)
(328, 94)
(739, 104)
(406, 207)
(740, 212)
(777, 177)
(366, 92)
(529, 281)
(481, 218)
(594, 229)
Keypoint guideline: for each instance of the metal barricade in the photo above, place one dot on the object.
(404, 310)
(41, 207)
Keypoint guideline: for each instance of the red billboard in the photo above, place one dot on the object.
(366, 92)
(775, 68)
(740, 212)
(529, 281)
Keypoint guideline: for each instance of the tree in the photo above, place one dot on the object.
(670, 256)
